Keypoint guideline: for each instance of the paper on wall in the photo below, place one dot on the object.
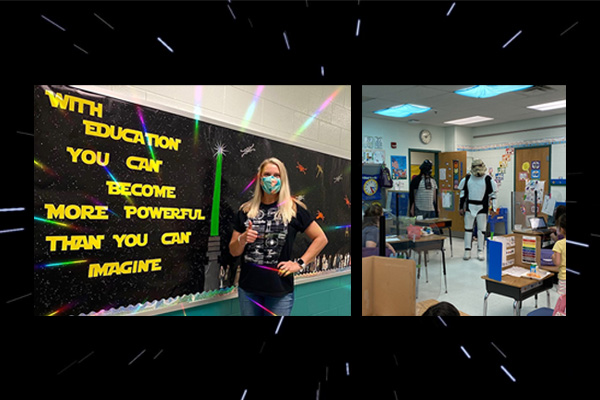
(549, 205)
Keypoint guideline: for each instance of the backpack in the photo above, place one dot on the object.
(385, 178)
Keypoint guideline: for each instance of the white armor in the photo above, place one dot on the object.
(474, 196)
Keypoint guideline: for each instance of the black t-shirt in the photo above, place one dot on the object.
(274, 244)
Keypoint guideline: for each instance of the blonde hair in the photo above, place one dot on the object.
(286, 204)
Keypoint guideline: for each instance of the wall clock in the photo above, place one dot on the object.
(425, 136)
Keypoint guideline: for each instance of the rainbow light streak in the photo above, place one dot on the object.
(323, 106)
(197, 111)
(331, 228)
(44, 168)
(64, 263)
(250, 184)
(141, 116)
(252, 107)
(261, 306)
(99, 203)
(265, 267)
(118, 184)
(62, 309)
(69, 226)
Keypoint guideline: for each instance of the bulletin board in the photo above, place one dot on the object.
(532, 173)
(133, 204)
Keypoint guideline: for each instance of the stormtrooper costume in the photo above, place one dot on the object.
(476, 191)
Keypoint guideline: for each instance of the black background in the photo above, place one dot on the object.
(399, 43)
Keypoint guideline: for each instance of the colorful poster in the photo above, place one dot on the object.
(399, 167)
(455, 171)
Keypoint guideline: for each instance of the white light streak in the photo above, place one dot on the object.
(12, 209)
(158, 354)
(569, 28)
(451, 7)
(79, 48)
(244, 395)
(67, 367)
(577, 243)
(18, 298)
(512, 378)
(513, 38)
(465, 351)
(279, 325)
(286, 40)
(322, 70)
(84, 358)
(54, 23)
(573, 272)
(166, 45)
(358, 27)
(347, 369)
(231, 11)
(443, 322)
(107, 24)
(499, 351)
(12, 230)
(138, 356)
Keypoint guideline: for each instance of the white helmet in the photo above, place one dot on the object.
(478, 167)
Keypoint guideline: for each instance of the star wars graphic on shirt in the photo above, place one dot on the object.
(272, 232)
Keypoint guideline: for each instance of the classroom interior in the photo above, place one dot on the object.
(520, 136)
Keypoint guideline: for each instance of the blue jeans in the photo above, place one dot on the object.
(282, 306)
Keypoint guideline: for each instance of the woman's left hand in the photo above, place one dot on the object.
(288, 267)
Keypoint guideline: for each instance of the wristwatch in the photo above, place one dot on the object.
(300, 262)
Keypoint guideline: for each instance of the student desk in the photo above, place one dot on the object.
(517, 288)
(440, 223)
(424, 244)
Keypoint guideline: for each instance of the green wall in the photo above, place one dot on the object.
(324, 297)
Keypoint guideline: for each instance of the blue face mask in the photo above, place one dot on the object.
(271, 184)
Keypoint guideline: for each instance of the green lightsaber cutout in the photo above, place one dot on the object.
(214, 216)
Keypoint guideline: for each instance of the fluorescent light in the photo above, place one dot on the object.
(550, 106)
(402, 110)
(470, 120)
(485, 91)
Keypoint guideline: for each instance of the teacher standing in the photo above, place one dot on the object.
(264, 231)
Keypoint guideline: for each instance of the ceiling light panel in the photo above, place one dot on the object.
(485, 91)
(470, 120)
(550, 106)
(403, 110)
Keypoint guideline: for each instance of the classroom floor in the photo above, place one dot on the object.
(466, 289)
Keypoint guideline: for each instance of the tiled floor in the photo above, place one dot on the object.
(466, 289)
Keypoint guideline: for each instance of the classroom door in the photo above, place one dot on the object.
(531, 164)
(452, 168)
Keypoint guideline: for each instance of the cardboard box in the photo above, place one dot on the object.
(388, 286)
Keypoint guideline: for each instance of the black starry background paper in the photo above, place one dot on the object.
(244, 43)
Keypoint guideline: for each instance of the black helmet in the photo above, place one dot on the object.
(426, 167)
